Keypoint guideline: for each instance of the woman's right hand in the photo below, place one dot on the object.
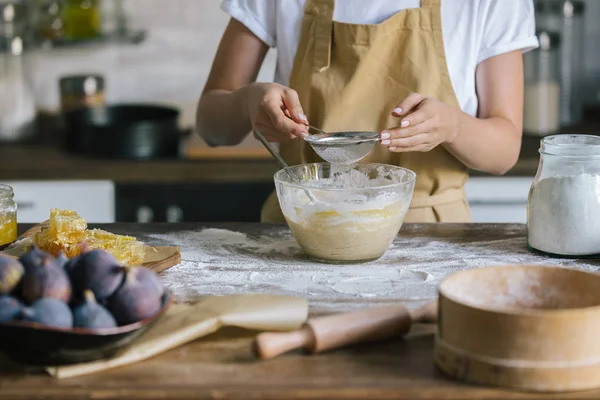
(275, 111)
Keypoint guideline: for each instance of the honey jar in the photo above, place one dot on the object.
(8, 215)
(81, 91)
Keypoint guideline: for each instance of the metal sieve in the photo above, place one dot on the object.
(343, 147)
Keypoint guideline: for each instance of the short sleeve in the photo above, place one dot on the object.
(259, 16)
(507, 26)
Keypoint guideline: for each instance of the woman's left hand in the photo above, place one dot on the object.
(426, 123)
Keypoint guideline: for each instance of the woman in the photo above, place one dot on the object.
(442, 80)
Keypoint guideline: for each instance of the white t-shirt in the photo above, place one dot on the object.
(473, 30)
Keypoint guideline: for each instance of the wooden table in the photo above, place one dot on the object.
(222, 366)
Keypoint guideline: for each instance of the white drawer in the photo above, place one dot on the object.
(93, 200)
(497, 214)
(498, 199)
(498, 189)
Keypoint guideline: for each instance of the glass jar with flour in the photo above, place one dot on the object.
(563, 212)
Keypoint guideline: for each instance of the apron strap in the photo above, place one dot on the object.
(430, 3)
(322, 13)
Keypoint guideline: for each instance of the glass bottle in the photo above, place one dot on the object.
(81, 91)
(8, 215)
(17, 102)
(82, 19)
(48, 20)
(567, 17)
(563, 208)
(541, 107)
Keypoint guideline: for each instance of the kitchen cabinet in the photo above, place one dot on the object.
(492, 200)
(191, 202)
(498, 199)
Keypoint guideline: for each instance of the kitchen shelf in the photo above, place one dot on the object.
(128, 37)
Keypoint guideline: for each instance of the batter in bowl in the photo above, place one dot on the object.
(355, 224)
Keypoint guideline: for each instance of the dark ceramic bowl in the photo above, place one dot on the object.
(35, 344)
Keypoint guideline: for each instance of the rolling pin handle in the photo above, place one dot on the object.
(426, 314)
(271, 344)
(368, 325)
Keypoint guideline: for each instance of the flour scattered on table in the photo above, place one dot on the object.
(219, 262)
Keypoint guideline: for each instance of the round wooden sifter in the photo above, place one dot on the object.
(527, 327)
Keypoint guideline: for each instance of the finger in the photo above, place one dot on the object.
(407, 105)
(420, 148)
(271, 136)
(412, 141)
(282, 124)
(292, 104)
(275, 138)
(419, 116)
(389, 135)
(289, 115)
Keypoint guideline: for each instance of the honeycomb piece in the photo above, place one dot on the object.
(66, 226)
(126, 249)
(46, 241)
(67, 230)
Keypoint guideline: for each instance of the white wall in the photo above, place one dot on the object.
(170, 66)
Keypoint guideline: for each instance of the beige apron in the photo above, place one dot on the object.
(351, 76)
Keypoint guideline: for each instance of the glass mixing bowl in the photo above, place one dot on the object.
(355, 211)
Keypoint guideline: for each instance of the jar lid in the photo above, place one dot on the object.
(571, 145)
(6, 191)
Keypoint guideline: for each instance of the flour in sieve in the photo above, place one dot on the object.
(564, 215)
(221, 262)
(343, 154)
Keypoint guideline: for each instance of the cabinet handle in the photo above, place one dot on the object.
(174, 214)
(25, 205)
(145, 214)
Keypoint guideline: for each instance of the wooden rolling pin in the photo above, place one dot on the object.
(344, 329)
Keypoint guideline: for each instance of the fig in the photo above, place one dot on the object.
(136, 299)
(92, 315)
(151, 278)
(98, 271)
(11, 272)
(45, 280)
(49, 311)
(35, 258)
(10, 308)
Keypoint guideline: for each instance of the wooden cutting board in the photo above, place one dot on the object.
(157, 258)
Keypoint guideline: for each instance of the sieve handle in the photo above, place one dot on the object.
(274, 153)
(281, 161)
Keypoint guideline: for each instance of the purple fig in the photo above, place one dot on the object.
(45, 280)
(98, 271)
(92, 315)
(10, 308)
(138, 297)
(149, 277)
(35, 258)
(11, 272)
(49, 311)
